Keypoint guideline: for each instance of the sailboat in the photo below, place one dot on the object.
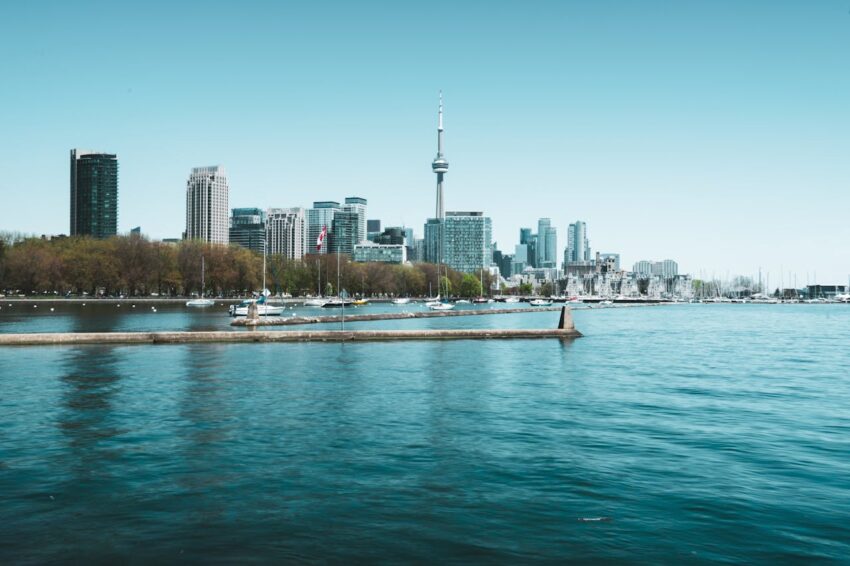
(201, 301)
(263, 308)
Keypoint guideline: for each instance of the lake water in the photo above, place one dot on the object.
(701, 433)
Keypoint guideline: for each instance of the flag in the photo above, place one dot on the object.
(321, 238)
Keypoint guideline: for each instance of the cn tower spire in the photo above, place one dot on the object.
(440, 166)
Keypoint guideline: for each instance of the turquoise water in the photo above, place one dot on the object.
(702, 432)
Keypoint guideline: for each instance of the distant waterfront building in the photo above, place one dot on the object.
(207, 194)
(384, 253)
(666, 269)
(418, 250)
(578, 246)
(248, 228)
(392, 235)
(345, 231)
(546, 252)
(137, 231)
(642, 268)
(432, 241)
(521, 253)
(286, 232)
(468, 241)
(614, 258)
(373, 228)
(321, 215)
(358, 205)
(94, 193)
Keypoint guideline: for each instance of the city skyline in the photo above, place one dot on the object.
(727, 157)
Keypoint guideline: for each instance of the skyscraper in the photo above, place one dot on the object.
(286, 232)
(344, 236)
(94, 194)
(547, 244)
(318, 217)
(207, 205)
(578, 246)
(358, 205)
(248, 228)
(467, 238)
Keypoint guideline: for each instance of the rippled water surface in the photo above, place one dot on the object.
(703, 433)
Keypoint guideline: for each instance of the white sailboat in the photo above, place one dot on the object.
(263, 308)
(201, 301)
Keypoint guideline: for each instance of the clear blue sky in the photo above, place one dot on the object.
(716, 133)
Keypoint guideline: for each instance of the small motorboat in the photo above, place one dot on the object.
(360, 302)
(200, 302)
(401, 301)
(512, 300)
(337, 304)
(315, 302)
(462, 302)
(540, 303)
(441, 306)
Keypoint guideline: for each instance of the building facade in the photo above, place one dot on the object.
(248, 228)
(318, 217)
(207, 211)
(344, 235)
(286, 232)
(666, 269)
(547, 245)
(467, 241)
(642, 268)
(94, 194)
(358, 205)
(578, 246)
(383, 253)
(614, 259)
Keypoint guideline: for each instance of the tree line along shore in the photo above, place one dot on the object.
(134, 266)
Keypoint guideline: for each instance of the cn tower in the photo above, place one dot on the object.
(440, 166)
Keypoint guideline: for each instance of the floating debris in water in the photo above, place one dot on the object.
(594, 519)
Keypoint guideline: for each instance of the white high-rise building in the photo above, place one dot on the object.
(286, 232)
(207, 209)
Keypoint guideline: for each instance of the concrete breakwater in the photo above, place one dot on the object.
(229, 337)
(294, 320)
(566, 329)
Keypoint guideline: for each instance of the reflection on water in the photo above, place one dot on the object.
(91, 380)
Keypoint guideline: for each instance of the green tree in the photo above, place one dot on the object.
(470, 286)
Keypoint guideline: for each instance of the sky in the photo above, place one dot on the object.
(715, 133)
